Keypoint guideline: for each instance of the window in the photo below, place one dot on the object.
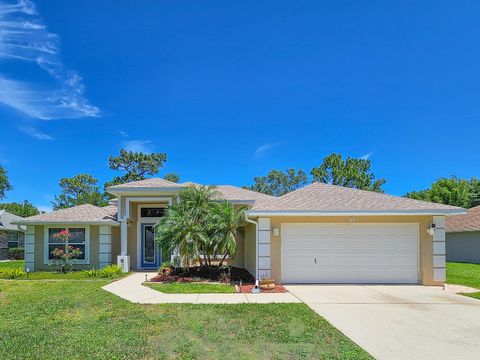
(78, 239)
(12, 239)
(152, 212)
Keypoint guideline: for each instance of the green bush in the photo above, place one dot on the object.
(16, 253)
(12, 273)
(110, 271)
(92, 272)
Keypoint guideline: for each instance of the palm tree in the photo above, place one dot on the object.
(186, 224)
(226, 219)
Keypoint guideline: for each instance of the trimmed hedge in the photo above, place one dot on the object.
(17, 253)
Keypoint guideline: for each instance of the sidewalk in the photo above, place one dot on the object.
(131, 289)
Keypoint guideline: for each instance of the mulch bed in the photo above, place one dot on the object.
(278, 289)
(225, 274)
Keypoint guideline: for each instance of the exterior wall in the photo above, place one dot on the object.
(239, 259)
(463, 246)
(115, 243)
(425, 240)
(250, 249)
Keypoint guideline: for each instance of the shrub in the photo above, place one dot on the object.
(11, 273)
(16, 253)
(92, 272)
(110, 271)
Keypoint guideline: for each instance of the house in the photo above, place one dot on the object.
(11, 236)
(463, 237)
(318, 234)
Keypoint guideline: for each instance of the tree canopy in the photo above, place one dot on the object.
(451, 191)
(200, 226)
(4, 183)
(351, 172)
(78, 190)
(278, 182)
(172, 177)
(135, 165)
(23, 209)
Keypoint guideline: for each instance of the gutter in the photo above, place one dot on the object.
(256, 243)
(355, 213)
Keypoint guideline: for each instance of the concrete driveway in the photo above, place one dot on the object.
(399, 322)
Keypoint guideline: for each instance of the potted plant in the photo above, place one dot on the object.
(267, 284)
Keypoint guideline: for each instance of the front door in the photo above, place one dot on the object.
(150, 251)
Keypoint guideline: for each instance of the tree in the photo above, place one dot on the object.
(4, 183)
(451, 191)
(136, 166)
(351, 172)
(23, 209)
(225, 221)
(200, 226)
(172, 177)
(78, 190)
(278, 183)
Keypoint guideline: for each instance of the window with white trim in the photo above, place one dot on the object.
(12, 239)
(78, 239)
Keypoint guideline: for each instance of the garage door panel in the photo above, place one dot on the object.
(350, 253)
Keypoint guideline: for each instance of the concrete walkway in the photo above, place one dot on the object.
(131, 289)
(399, 322)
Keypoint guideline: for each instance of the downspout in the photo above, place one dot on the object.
(256, 243)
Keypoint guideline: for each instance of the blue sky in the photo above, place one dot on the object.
(230, 90)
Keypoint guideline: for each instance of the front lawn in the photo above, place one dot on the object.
(14, 264)
(464, 274)
(79, 320)
(192, 288)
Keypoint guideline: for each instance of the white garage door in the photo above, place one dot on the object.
(349, 253)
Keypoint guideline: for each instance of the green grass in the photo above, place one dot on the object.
(475, 295)
(79, 320)
(463, 274)
(15, 264)
(192, 288)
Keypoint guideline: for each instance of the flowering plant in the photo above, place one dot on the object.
(63, 259)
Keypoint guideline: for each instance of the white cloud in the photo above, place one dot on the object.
(35, 133)
(145, 146)
(262, 149)
(123, 133)
(25, 38)
(366, 156)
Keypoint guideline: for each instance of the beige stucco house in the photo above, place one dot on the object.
(317, 234)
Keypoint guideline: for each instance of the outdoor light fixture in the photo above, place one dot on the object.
(276, 231)
(27, 270)
(431, 229)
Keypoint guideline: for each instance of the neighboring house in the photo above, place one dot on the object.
(10, 235)
(317, 234)
(463, 237)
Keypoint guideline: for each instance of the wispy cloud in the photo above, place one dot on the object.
(145, 146)
(123, 133)
(262, 149)
(366, 156)
(35, 133)
(25, 38)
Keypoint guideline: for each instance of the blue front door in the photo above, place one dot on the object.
(150, 253)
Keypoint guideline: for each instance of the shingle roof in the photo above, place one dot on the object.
(147, 183)
(78, 214)
(235, 193)
(330, 198)
(467, 222)
(6, 220)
